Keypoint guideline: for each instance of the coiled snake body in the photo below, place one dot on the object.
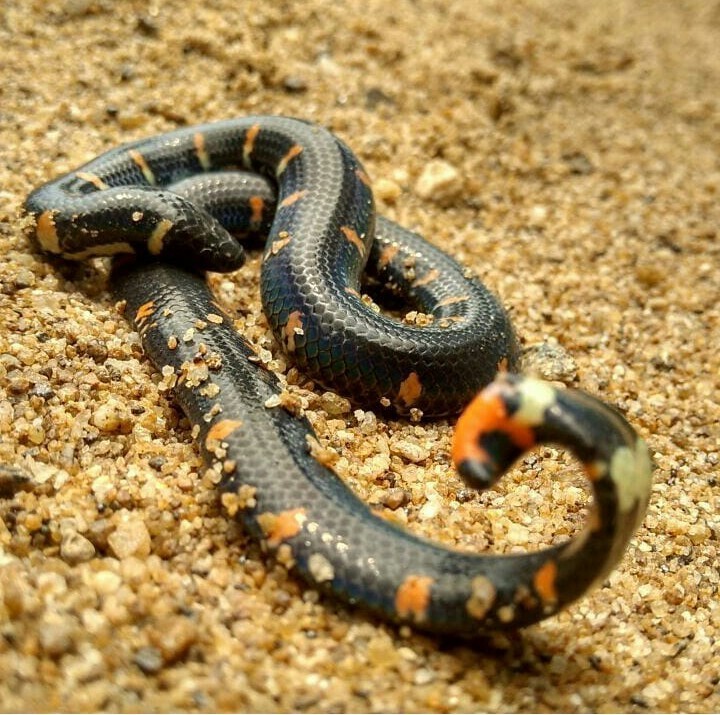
(177, 196)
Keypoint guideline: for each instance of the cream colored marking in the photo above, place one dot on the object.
(352, 291)
(535, 397)
(155, 242)
(482, 597)
(93, 179)
(292, 152)
(249, 144)
(46, 232)
(352, 236)
(139, 160)
(631, 471)
(200, 151)
(292, 198)
(429, 277)
(105, 249)
(320, 568)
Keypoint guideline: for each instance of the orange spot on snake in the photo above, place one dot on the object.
(292, 152)
(200, 151)
(387, 254)
(410, 389)
(139, 160)
(93, 179)
(256, 207)
(413, 597)
(144, 311)
(352, 236)
(281, 527)
(362, 175)
(290, 199)
(486, 413)
(220, 430)
(249, 143)
(544, 582)
(292, 328)
(46, 232)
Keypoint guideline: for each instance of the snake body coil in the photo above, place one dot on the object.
(176, 195)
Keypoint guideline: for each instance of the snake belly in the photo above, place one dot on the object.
(318, 243)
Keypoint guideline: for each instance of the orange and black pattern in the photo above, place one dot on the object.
(179, 197)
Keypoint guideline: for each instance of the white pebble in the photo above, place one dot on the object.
(438, 181)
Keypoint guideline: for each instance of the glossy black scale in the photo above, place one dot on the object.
(319, 240)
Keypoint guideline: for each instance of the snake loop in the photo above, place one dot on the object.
(179, 196)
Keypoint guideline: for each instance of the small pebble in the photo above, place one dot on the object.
(105, 582)
(395, 498)
(550, 361)
(411, 451)
(75, 548)
(334, 404)
(86, 666)
(386, 190)
(375, 96)
(56, 634)
(112, 417)
(173, 637)
(518, 535)
(439, 181)
(294, 84)
(130, 538)
(149, 660)
(24, 278)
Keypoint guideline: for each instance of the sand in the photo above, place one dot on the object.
(581, 145)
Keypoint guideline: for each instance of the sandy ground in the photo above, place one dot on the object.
(585, 141)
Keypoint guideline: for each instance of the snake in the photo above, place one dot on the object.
(171, 207)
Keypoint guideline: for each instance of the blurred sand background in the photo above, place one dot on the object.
(581, 145)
